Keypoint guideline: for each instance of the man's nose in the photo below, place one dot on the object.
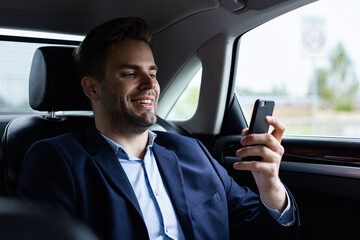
(148, 81)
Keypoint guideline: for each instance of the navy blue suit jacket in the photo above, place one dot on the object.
(79, 175)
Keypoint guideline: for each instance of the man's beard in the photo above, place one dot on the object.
(122, 115)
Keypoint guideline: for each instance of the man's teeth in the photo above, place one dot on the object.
(143, 101)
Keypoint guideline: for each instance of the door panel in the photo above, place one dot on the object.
(322, 173)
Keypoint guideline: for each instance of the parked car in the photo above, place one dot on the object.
(215, 58)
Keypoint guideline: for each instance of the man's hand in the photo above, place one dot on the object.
(265, 172)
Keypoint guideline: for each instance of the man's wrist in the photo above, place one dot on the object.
(287, 217)
(275, 198)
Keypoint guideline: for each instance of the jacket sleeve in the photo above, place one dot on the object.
(46, 179)
(248, 217)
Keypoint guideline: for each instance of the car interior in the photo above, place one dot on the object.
(321, 172)
(21, 221)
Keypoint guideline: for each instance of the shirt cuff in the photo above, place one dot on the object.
(287, 217)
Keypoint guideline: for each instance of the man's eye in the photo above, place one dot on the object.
(131, 74)
(153, 74)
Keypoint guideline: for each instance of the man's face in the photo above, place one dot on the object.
(130, 91)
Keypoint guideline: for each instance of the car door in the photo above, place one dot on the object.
(321, 172)
(308, 66)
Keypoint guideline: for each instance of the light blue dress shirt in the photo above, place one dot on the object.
(155, 204)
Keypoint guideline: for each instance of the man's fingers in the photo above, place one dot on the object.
(244, 131)
(270, 169)
(279, 127)
(262, 139)
(267, 154)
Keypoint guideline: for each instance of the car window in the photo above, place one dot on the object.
(185, 106)
(308, 61)
(15, 64)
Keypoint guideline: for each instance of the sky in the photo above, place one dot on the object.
(287, 60)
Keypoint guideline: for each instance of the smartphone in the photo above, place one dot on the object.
(262, 108)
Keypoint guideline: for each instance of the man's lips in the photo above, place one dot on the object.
(143, 101)
(146, 101)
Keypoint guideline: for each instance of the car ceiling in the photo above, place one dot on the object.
(79, 16)
(60, 15)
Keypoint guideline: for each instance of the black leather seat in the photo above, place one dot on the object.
(53, 86)
(19, 220)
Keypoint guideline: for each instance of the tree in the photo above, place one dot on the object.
(3, 103)
(338, 85)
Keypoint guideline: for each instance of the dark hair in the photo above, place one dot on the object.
(92, 53)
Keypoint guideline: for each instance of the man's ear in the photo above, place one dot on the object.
(91, 87)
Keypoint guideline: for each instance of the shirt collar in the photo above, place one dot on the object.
(120, 151)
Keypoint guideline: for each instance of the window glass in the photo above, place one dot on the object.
(185, 107)
(15, 64)
(308, 61)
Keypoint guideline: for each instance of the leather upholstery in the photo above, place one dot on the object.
(18, 220)
(22, 132)
(53, 86)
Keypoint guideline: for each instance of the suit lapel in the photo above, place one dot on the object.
(169, 168)
(110, 166)
(171, 173)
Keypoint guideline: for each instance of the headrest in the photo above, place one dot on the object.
(54, 84)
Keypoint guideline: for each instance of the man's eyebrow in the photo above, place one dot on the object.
(154, 67)
(133, 66)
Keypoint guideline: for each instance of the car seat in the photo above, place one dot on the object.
(19, 220)
(53, 87)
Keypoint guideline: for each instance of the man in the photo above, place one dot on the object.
(127, 182)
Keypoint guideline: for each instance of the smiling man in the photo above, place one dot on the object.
(127, 182)
(124, 101)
